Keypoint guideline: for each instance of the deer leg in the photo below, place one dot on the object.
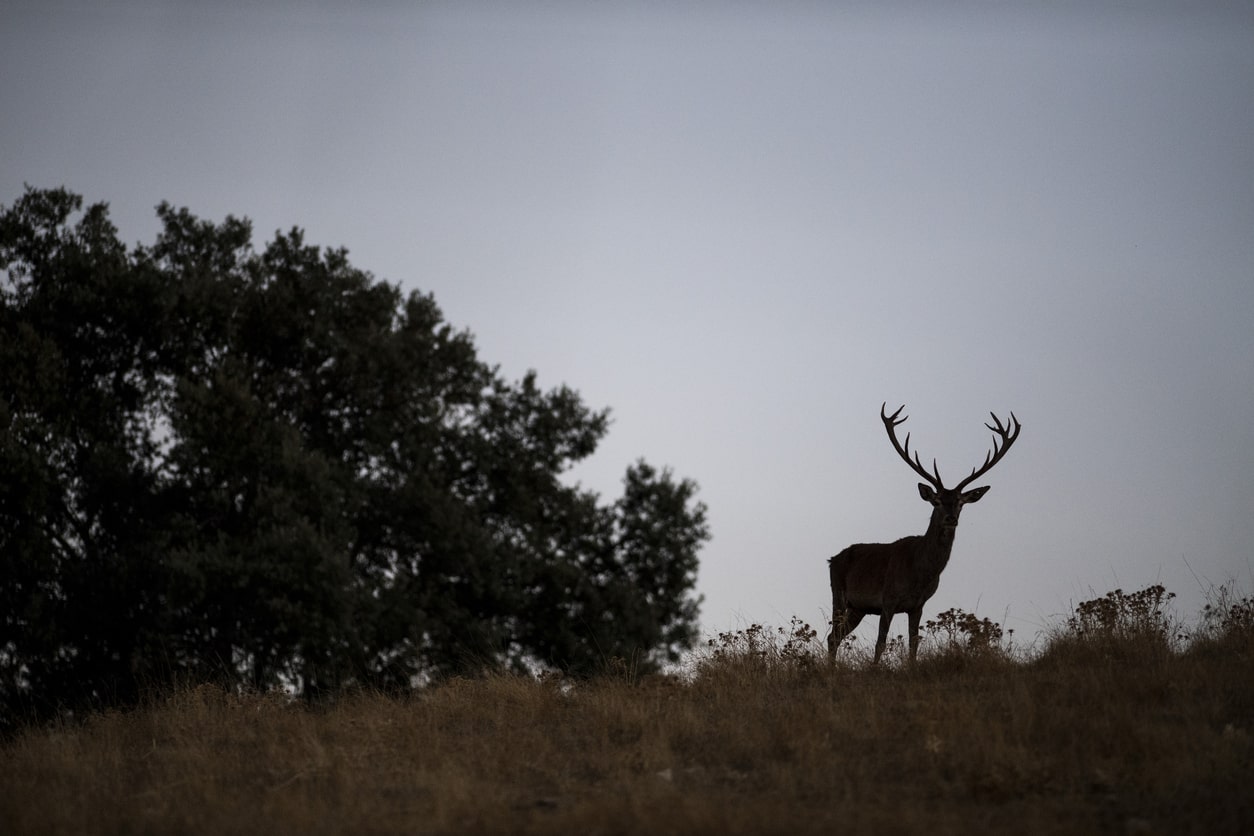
(843, 622)
(914, 616)
(886, 618)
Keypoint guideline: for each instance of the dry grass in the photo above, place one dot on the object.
(763, 737)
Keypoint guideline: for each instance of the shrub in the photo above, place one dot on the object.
(1124, 615)
(962, 632)
(1118, 625)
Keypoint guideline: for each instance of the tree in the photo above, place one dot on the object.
(268, 467)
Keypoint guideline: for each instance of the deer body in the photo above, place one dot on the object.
(887, 578)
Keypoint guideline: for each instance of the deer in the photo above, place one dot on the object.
(888, 578)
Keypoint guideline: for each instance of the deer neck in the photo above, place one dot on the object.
(938, 542)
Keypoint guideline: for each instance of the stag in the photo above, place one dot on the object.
(888, 578)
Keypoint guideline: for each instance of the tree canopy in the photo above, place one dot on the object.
(269, 467)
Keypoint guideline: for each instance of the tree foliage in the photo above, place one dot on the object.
(269, 467)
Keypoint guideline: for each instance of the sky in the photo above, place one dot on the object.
(743, 227)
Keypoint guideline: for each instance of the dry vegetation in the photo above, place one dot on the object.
(1117, 724)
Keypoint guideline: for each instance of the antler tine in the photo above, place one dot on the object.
(1008, 433)
(890, 423)
(919, 465)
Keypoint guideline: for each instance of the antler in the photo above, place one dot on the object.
(1008, 435)
(890, 424)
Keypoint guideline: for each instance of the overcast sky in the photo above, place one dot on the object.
(743, 226)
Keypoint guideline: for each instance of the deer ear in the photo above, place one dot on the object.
(925, 491)
(974, 494)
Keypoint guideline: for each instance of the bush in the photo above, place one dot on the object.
(962, 637)
(1118, 626)
(1122, 615)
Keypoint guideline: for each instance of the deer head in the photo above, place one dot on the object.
(947, 502)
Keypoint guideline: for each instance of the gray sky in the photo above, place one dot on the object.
(742, 227)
